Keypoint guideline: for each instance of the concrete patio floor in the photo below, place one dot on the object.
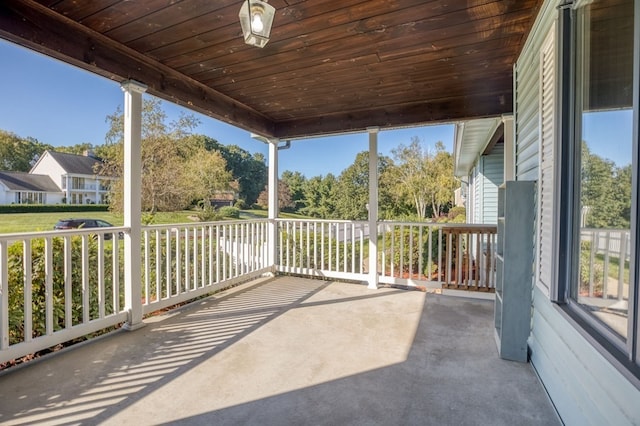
(288, 351)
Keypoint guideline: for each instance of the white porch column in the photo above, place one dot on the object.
(373, 208)
(273, 201)
(132, 201)
(68, 189)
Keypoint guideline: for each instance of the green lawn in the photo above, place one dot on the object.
(33, 222)
(262, 214)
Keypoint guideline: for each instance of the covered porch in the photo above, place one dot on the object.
(288, 350)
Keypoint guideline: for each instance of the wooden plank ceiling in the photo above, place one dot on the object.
(331, 66)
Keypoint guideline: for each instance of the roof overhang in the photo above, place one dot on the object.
(472, 139)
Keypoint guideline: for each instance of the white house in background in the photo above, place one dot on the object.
(75, 175)
(28, 188)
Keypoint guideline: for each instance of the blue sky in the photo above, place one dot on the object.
(61, 105)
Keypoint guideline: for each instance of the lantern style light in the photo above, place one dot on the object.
(256, 18)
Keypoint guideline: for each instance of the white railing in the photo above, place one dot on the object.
(604, 263)
(323, 248)
(455, 255)
(459, 256)
(182, 262)
(58, 286)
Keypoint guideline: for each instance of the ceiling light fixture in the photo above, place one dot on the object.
(256, 18)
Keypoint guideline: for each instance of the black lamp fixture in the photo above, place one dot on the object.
(256, 17)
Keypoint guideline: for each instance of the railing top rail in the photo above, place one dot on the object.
(198, 224)
(280, 219)
(470, 226)
(604, 230)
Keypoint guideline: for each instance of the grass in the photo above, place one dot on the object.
(34, 222)
(263, 214)
(614, 267)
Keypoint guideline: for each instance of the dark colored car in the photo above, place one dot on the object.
(84, 224)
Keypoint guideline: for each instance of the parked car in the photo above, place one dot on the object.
(85, 224)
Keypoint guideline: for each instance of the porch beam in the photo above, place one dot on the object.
(37, 27)
(373, 207)
(132, 202)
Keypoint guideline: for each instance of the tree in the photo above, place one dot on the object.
(445, 183)
(208, 174)
(296, 183)
(351, 191)
(77, 149)
(605, 191)
(317, 195)
(422, 178)
(172, 177)
(284, 196)
(19, 154)
(249, 170)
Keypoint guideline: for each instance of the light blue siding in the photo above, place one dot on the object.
(484, 179)
(492, 178)
(584, 386)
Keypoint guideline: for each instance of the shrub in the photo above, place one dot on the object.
(53, 208)
(408, 251)
(231, 212)
(240, 204)
(590, 271)
(205, 212)
(38, 286)
(147, 218)
(456, 212)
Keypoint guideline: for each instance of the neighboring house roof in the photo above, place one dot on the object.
(470, 140)
(22, 181)
(76, 164)
(224, 195)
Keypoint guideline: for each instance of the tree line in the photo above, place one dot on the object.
(180, 169)
(415, 183)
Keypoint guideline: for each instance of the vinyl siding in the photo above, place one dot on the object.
(527, 114)
(546, 179)
(484, 179)
(583, 385)
(585, 388)
(492, 178)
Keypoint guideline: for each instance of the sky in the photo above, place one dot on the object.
(62, 105)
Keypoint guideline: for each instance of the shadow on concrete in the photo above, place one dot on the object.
(288, 351)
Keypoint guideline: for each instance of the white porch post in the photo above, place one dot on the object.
(132, 201)
(68, 188)
(373, 208)
(273, 201)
